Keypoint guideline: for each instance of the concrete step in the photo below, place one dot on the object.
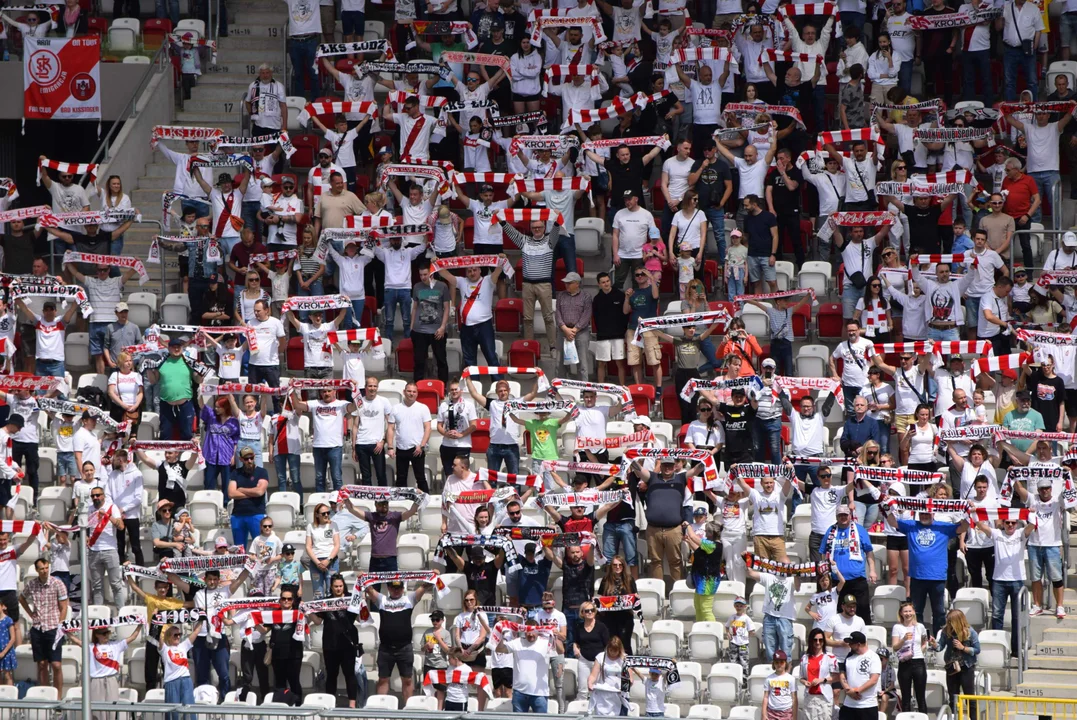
(1056, 648)
(241, 68)
(233, 79)
(227, 122)
(1049, 676)
(228, 108)
(246, 27)
(1037, 662)
(156, 184)
(1059, 635)
(269, 39)
(261, 14)
(159, 170)
(233, 92)
(1060, 691)
(256, 56)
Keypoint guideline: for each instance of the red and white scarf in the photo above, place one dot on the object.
(88, 217)
(455, 27)
(936, 258)
(427, 102)
(369, 579)
(1002, 514)
(472, 58)
(275, 617)
(645, 141)
(25, 213)
(950, 21)
(806, 10)
(707, 481)
(33, 383)
(370, 335)
(1056, 106)
(774, 567)
(627, 406)
(68, 168)
(856, 218)
(364, 107)
(123, 261)
(99, 519)
(466, 261)
(998, 363)
(927, 505)
(559, 18)
(315, 303)
(868, 134)
(695, 54)
(920, 348)
(528, 215)
(664, 322)
(613, 443)
(750, 111)
(739, 299)
(415, 170)
(268, 257)
(553, 184)
(586, 117)
(784, 382)
(508, 627)
(489, 178)
(492, 476)
(591, 468)
(962, 347)
(457, 676)
(770, 55)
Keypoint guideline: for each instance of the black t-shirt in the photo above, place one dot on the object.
(515, 26)
(933, 43)
(924, 228)
(757, 229)
(395, 629)
(711, 183)
(593, 642)
(482, 578)
(579, 584)
(1047, 397)
(786, 202)
(738, 424)
(19, 252)
(624, 177)
(611, 323)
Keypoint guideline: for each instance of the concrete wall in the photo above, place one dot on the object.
(118, 82)
(130, 151)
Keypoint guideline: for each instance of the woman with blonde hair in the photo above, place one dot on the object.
(322, 550)
(695, 301)
(114, 198)
(591, 636)
(867, 506)
(908, 639)
(604, 682)
(960, 645)
(126, 392)
(311, 270)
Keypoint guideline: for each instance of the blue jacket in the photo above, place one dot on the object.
(856, 433)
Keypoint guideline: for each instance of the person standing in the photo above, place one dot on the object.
(329, 414)
(177, 384)
(848, 545)
(664, 495)
(104, 520)
(633, 226)
(761, 228)
(124, 488)
(105, 662)
(611, 324)
(783, 193)
(265, 102)
(1021, 24)
(1022, 201)
(573, 312)
(247, 489)
(530, 667)
(408, 436)
(476, 313)
(395, 634)
(860, 680)
(44, 598)
(369, 432)
(1045, 543)
(304, 35)
(265, 362)
(429, 324)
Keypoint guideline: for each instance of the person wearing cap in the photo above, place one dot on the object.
(1024, 416)
(319, 179)
(1045, 543)
(342, 142)
(538, 267)
(106, 520)
(664, 493)
(119, 334)
(331, 201)
(860, 680)
(573, 313)
(1048, 394)
(848, 545)
(633, 226)
(226, 203)
(50, 334)
(780, 690)
(626, 174)
(488, 237)
(395, 633)
(281, 213)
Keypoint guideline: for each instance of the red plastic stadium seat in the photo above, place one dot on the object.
(524, 353)
(801, 321)
(430, 393)
(295, 354)
(154, 32)
(98, 25)
(469, 233)
(642, 398)
(682, 434)
(405, 356)
(508, 315)
(370, 311)
(559, 273)
(671, 406)
(362, 186)
(306, 149)
(829, 321)
(710, 275)
(480, 439)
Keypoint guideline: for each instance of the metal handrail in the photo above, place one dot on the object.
(1024, 640)
(146, 709)
(1056, 205)
(159, 64)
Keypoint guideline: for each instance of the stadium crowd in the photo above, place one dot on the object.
(280, 490)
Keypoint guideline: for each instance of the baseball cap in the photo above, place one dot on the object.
(1023, 395)
(769, 362)
(739, 601)
(246, 452)
(287, 549)
(287, 180)
(175, 341)
(573, 277)
(1044, 482)
(700, 510)
(224, 177)
(396, 584)
(385, 149)
(780, 655)
(642, 420)
(1009, 373)
(843, 509)
(848, 599)
(213, 278)
(122, 307)
(326, 152)
(220, 542)
(857, 637)
(1069, 239)
(629, 193)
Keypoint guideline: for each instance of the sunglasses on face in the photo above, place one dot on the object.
(824, 475)
(323, 514)
(97, 495)
(514, 513)
(286, 599)
(267, 527)
(588, 612)
(640, 275)
(876, 285)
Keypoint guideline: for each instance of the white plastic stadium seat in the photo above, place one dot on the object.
(705, 712)
(785, 272)
(815, 274)
(666, 637)
(123, 34)
(382, 702)
(974, 602)
(885, 603)
(175, 309)
(143, 308)
(588, 234)
(812, 360)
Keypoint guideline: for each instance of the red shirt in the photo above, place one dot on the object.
(813, 673)
(1019, 201)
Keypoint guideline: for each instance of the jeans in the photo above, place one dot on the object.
(356, 318)
(177, 419)
(319, 579)
(101, 563)
(249, 213)
(368, 457)
(566, 250)
(383, 564)
(244, 525)
(866, 515)
(497, 453)
(572, 617)
(782, 352)
(316, 288)
(1045, 181)
(179, 691)
(288, 465)
(884, 436)
(819, 100)
(949, 334)
(976, 64)
(393, 297)
(1043, 560)
(522, 703)
(710, 353)
(472, 337)
(716, 222)
(777, 635)
(212, 472)
(849, 295)
(1014, 61)
(1001, 591)
(620, 535)
(302, 55)
(171, 12)
(905, 75)
(269, 374)
(333, 456)
(921, 590)
(768, 434)
(734, 282)
(49, 368)
(205, 657)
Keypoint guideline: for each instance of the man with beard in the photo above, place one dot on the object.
(705, 94)
(626, 173)
(944, 300)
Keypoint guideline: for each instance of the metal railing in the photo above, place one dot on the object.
(1024, 639)
(1046, 240)
(994, 707)
(1056, 206)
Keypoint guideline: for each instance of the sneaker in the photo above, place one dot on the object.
(1060, 612)
(1036, 610)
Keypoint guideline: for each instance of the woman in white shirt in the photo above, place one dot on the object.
(526, 65)
(909, 639)
(690, 225)
(177, 678)
(873, 312)
(251, 417)
(245, 299)
(918, 442)
(33, 27)
(113, 198)
(125, 392)
(322, 546)
(604, 682)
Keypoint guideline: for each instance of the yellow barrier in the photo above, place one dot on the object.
(993, 707)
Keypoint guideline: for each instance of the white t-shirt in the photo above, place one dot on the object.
(314, 342)
(880, 396)
(857, 357)
(503, 431)
(304, 18)
(229, 363)
(678, 171)
(688, 228)
(841, 627)
(859, 184)
(460, 517)
(485, 233)
(265, 100)
(778, 595)
(463, 415)
(415, 144)
(634, 228)
(328, 422)
(780, 690)
(481, 309)
(769, 516)
(30, 411)
(284, 234)
(1042, 146)
(50, 338)
(858, 670)
(910, 649)
(127, 385)
(107, 539)
(175, 660)
(268, 332)
(1009, 555)
(106, 659)
(1050, 516)
(824, 603)
(531, 665)
(86, 442)
(408, 422)
(372, 415)
(824, 507)
(706, 101)
(752, 177)
(321, 539)
(234, 203)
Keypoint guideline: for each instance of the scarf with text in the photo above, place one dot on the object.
(400, 231)
(884, 477)
(694, 385)
(1018, 473)
(327, 604)
(1046, 338)
(587, 498)
(465, 105)
(774, 567)
(176, 617)
(456, 676)
(660, 141)
(272, 257)
(628, 409)
(25, 213)
(858, 218)
(553, 143)
(748, 111)
(445, 27)
(68, 168)
(591, 468)
(33, 383)
(645, 661)
(698, 483)
(927, 106)
(1057, 277)
(212, 249)
(613, 443)
(315, 303)
(503, 611)
(927, 505)
(493, 476)
(353, 48)
(504, 629)
(429, 172)
(466, 261)
(83, 218)
(376, 493)
(1032, 108)
(538, 119)
(540, 19)
(71, 626)
(919, 189)
(363, 107)
(221, 160)
(178, 132)
(617, 603)
(948, 21)
(238, 388)
(122, 261)
(968, 432)
(542, 406)
(664, 322)
(207, 562)
(275, 617)
(784, 294)
(479, 497)
(785, 382)
(497, 543)
(75, 293)
(952, 134)
(417, 67)
(757, 470)
(529, 532)
(358, 604)
(473, 58)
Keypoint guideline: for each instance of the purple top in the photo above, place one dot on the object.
(219, 442)
(383, 532)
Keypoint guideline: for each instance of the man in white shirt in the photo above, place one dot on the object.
(903, 37)
(753, 42)
(369, 432)
(408, 436)
(944, 300)
(67, 195)
(49, 332)
(184, 182)
(476, 312)
(807, 431)
(103, 522)
(124, 489)
(768, 518)
(993, 318)
(632, 227)
(280, 212)
(265, 103)
(398, 260)
(416, 129)
(842, 625)
(264, 365)
(860, 677)
(456, 421)
(330, 421)
(859, 175)
(752, 172)
(531, 667)
(319, 177)
(910, 389)
(1021, 24)
(1043, 140)
(829, 182)
(813, 43)
(983, 264)
(1045, 543)
(304, 35)
(226, 202)
(856, 353)
(1006, 548)
(705, 94)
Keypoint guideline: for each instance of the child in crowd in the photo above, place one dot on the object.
(978, 406)
(738, 631)
(290, 572)
(654, 256)
(654, 689)
(1022, 303)
(736, 265)
(687, 265)
(962, 243)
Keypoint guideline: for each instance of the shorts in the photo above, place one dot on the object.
(760, 268)
(65, 465)
(1071, 402)
(897, 543)
(903, 421)
(41, 642)
(97, 337)
(651, 350)
(1045, 561)
(401, 658)
(606, 350)
(502, 677)
(526, 98)
(353, 22)
(480, 659)
(10, 600)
